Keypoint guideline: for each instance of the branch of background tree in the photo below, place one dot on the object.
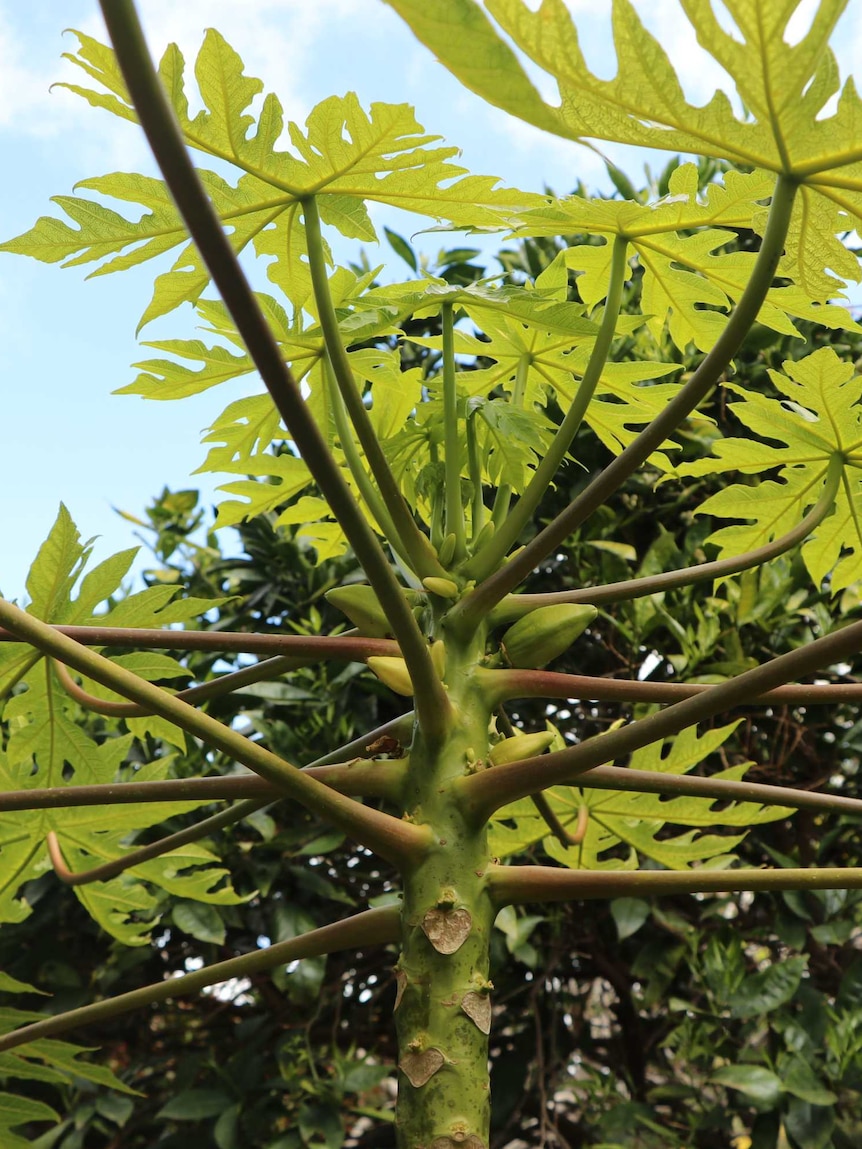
(372, 927)
(515, 885)
(165, 138)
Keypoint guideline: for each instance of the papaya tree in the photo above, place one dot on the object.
(434, 479)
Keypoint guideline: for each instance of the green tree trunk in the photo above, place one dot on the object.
(443, 1011)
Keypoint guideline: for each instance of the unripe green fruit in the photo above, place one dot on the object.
(393, 672)
(362, 607)
(447, 549)
(543, 634)
(444, 587)
(521, 746)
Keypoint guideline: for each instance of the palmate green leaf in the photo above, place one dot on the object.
(344, 157)
(785, 88)
(688, 283)
(624, 827)
(46, 745)
(555, 364)
(798, 436)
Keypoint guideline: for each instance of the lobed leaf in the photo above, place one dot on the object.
(344, 157)
(623, 827)
(797, 437)
(46, 745)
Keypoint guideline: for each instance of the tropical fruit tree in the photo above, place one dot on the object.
(434, 478)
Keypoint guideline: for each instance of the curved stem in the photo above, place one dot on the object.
(224, 684)
(408, 538)
(508, 532)
(489, 790)
(107, 870)
(509, 684)
(390, 837)
(722, 789)
(499, 584)
(516, 605)
(451, 442)
(165, 138)
(518, 884)
(372, 927)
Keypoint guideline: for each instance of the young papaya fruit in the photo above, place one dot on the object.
(545, 633)
(361, 605)
(393, 672)
(521, 746)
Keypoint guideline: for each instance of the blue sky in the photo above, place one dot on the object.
(68, 342)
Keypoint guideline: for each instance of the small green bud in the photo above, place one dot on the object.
(543, 634)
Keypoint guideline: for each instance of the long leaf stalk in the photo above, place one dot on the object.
(494, 588)
(372, 927)
(341, 769)
(511, 684)
(359, 778)
(213, 789)
(165, 138)
(135, 857)
(722, 789)
(503, 497)
(490, 789)
(365, 486)
(317, 648)
(452, 457)
(388, 836)
(627, 589)
(407, 536)
(474, 464)
(508, 532)
(519, 884)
